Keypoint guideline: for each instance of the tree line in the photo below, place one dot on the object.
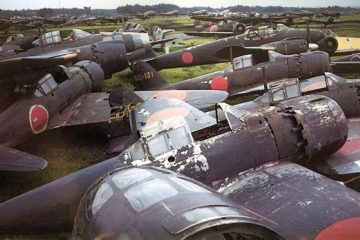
(137, 8)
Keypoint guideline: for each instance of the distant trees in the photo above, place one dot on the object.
(87, 10)
(45, 12)
(137, 8)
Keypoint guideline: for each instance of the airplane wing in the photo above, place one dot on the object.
(163, 108)
(346, 161)
(196, 98)
(307, 204)
(349, 63)
(94, 108)
(210, 34)
(90, 108)
(347, 45)
(207, 18)
(14, 65)
(15, 160)
(179, 36)
(327, 22)
(345, 67)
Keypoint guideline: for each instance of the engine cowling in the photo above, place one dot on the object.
(95, 72)
(290, 46)
(111, 56)
(239, 28)
(328, 44)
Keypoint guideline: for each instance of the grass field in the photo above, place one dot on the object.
(70, 149)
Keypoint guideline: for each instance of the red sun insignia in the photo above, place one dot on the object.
(219, 83)
(177, 94)
(214, 28)
(187, 57)
(167, 113)
(348, 229)
(38, 117)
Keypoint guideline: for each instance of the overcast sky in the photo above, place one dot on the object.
(108, 4)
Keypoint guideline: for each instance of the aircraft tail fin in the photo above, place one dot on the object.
(15, 160)
(146, 77)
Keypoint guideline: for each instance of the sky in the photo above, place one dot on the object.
(111, 4)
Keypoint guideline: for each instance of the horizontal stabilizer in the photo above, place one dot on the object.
(15, 160)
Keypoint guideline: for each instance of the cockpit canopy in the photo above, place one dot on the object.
(151, 203)
(54, 37)
(264, 32)
(161, 137)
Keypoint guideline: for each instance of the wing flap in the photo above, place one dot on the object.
(88, 109)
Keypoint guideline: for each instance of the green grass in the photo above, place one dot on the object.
(67, 149)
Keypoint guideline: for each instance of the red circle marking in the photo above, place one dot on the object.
(38, 117)
(167, 113)
(348, 229)
(219, 83)
(187, 57)
(350, 147)
(214, 28)
(177, 94)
